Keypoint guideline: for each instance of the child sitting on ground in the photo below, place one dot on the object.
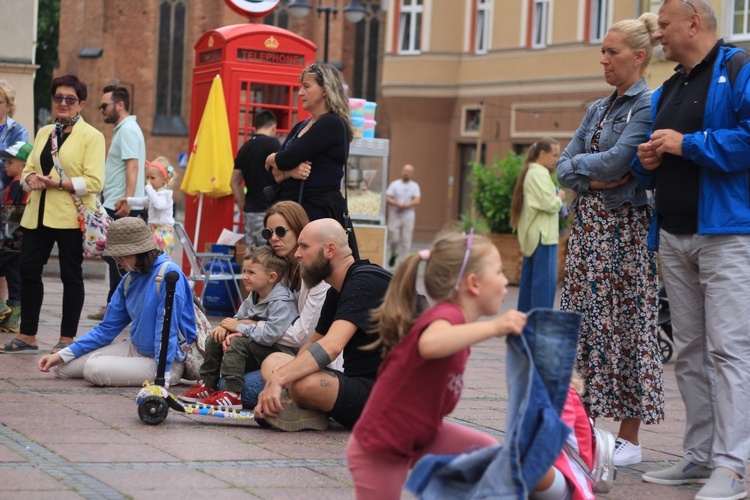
(158, 200)
(421, 377)
(240, 344)
(14, 200)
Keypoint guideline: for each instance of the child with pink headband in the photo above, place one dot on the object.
(158, 200)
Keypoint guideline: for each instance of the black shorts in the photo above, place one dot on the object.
(351, 399)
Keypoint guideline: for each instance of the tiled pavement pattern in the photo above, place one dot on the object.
(66, 439)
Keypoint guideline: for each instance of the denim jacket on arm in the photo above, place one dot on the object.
(539, 365)
(625, 127)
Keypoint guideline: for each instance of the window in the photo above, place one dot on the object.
(482, 29)
(279, 17)
(410, 29)
(540, 22)
(598, 20)
(366, 53)
(741, 20)
(169, 74)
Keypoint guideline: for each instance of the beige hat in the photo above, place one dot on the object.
(128, 236)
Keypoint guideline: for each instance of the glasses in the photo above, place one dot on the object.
(69, 99)
(691, 5)
(314, 67)
(469, 237)
(104, 106)
(280, 231)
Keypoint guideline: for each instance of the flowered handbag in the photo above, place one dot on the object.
(94, 227)
(93, 224)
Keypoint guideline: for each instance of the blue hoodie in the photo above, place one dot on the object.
(145, 310)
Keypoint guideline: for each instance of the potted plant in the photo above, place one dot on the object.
(493, 195)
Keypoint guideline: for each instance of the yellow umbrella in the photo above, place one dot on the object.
(211, 160)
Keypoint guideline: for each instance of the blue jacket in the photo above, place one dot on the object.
(624, 127)
(721, 150)
(145, 310)
(12, 133)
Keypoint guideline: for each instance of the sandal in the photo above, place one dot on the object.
(18, 345)
(60, 346)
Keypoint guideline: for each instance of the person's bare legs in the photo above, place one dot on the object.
(629, 430)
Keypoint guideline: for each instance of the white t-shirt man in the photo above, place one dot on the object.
(402, 196)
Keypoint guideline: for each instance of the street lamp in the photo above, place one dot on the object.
(354, 13)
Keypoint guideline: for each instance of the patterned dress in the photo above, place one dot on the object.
(611, 279)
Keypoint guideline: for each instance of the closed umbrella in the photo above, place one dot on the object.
(211, 160)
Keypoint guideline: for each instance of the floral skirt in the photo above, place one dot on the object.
(163, 235)
(611, 279)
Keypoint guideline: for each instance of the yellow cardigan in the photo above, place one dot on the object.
(539, 218)
(82, 159)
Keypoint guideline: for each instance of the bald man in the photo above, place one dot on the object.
(316, 392)
(402, 196)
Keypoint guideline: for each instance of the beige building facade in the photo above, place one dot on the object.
(17, 53)
(529, 68)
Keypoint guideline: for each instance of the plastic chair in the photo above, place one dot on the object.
(208, 266)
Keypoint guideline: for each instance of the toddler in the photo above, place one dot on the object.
(158, 200)
(14, 201)
(240, 344)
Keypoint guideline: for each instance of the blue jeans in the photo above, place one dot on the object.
(538, 279)
(253, 386)
(539, 365)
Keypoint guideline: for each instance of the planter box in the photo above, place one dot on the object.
(510, 253)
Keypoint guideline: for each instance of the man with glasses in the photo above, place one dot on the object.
(316, 392)
(698, 161)
(124, 169)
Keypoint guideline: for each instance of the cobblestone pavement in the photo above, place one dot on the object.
(66, 439)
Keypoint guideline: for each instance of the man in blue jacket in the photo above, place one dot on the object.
(698, 160)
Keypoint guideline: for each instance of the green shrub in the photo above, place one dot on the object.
(493, 190)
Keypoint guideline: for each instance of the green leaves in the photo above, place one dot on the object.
(493, 190)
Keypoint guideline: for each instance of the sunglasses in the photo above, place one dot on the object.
(104, 106)
(69, 99)
(280, 231)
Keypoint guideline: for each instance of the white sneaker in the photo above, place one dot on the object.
(626, 453)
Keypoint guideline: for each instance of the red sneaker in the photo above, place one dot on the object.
(224, 400)
(195, 393)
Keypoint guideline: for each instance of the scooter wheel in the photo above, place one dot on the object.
(153, 410)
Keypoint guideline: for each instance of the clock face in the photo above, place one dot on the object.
(252, 8)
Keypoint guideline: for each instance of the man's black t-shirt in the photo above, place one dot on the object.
(681, 108)
(251, 161)
(360, 293)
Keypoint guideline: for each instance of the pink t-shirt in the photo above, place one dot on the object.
(412, 394)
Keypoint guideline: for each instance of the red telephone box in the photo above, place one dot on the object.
(259, 67)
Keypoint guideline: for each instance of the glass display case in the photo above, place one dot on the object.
(367, 177)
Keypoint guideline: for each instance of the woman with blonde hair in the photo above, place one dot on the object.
(534, 214)
(610, 275)
(11, 131)
(310, 164)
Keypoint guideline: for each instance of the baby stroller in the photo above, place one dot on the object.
(664, 327)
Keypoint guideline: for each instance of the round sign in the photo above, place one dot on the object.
(252, 8)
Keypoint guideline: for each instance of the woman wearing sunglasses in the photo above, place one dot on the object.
(310, 164)
(282, 224)
(51, 217)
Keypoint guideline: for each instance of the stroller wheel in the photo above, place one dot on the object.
(153, 410)
(665, 347)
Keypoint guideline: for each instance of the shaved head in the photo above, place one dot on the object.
(323, 231)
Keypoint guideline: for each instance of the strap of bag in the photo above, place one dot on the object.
(53, 139)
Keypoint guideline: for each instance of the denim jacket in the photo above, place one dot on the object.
(625, 126)
(539, 365)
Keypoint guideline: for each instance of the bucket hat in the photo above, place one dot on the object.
(128, 236)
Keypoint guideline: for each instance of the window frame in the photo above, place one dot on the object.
(540, 26)
(732, 14)
(413, 15)
(598, 19)
(482, 26)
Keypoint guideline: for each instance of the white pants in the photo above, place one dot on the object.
(400, 232)
(708, 285)
(117, 364)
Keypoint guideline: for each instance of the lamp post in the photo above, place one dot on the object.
(354, 13)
